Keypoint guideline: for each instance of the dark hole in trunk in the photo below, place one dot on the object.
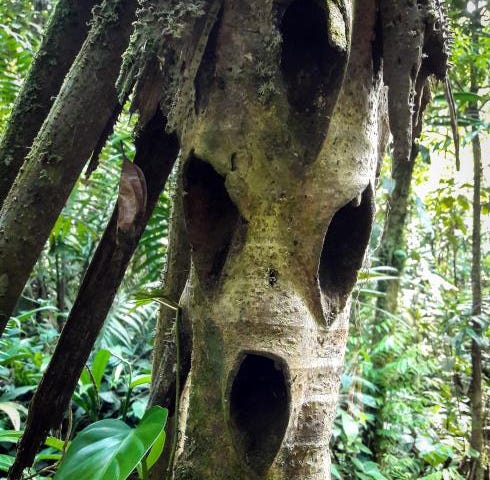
(211, 218)
(344, 246)
(259, 409)
(206, 73)
(310, 65)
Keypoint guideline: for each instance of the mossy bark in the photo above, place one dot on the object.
(156, 152)
(64, 36)
(280, 148)
(69, 134)
(392, 249)
(281, 128)
(391, 254)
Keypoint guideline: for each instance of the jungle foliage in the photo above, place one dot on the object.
(413, 367)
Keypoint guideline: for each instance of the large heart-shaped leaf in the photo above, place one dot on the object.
(110, 449)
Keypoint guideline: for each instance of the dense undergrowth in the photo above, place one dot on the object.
(412, 369)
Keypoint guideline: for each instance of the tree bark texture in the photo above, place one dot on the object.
(279, 107)
(65, 33)
(281, 156)
(475, 390)
(280, 114)
(69, 134)
(174, 280)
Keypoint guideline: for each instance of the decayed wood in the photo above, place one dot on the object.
(70, 133)
(64, 36)
(141, 184)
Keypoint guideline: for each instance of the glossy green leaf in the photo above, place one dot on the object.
(140, 380)
(110, 449)
(156, 450)
(99, 364)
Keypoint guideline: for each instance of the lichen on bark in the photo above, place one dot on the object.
(282, 122)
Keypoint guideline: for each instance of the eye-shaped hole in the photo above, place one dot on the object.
(311, 66)
(206, 73)
(344, 247)
(211, 218)
(259, 409)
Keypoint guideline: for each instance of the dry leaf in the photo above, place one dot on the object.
(131, 202)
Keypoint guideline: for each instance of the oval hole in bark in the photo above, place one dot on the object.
(344, 247)
(211, 218)
(259, 409)
(206, 73)
(311, 67)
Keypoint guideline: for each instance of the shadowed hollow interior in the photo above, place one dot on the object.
(259, 409)
(211, 218)
(344, 246)
(310, 65)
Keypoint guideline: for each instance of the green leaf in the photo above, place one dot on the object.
(10, 436)
(156, 450)
(12, 411)
(99, 365)
(140, 380)
(6, 462)
(110, 449)
(350, 427)
(335, 472)
(54, 442)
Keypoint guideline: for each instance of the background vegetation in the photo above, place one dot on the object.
(405, 411)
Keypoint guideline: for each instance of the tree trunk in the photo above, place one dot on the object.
(78, 118)
(392, 249)
(156, 152)
(278, 215)
(62, 40)
(280, 109)
(281, 128)
(475, 391)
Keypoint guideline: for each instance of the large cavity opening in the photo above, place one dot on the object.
(207, 69)
(259, 409)
(344, 246)
(211, 218)
(311, 67)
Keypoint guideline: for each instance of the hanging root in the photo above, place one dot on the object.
(415, 46)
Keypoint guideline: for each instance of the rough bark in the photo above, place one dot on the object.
(392, 248)
(156, 152)
(272, 168)
(174, 280)
(280, 155)
(62, 41)
(70, 133)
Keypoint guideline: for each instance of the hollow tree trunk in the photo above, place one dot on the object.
(278, 215)
(62, 40)
(77, 119)
(280, 131)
